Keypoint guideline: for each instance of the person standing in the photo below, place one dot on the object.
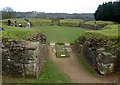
(28, 24)
(15, 23)
(9, 23)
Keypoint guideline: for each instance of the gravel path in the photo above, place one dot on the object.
(72, 68)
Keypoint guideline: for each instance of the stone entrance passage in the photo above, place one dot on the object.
(61, 50)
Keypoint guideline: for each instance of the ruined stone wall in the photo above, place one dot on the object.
(22, 58)
(99, 53)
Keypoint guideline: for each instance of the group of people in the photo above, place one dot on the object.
(28, 25)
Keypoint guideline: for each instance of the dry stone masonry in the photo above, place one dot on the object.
(22, 58)
(99, 53)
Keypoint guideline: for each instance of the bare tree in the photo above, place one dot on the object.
(7, 12)
(7, 9)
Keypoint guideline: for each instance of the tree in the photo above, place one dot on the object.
(108, 12)
(7, 12)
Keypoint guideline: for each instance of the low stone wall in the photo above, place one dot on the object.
(99, 53)
(22, 58)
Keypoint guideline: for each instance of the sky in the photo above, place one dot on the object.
(53, 6)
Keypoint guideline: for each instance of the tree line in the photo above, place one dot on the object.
(109, 11)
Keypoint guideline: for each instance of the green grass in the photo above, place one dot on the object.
(50, 74)
(18, 33)
(35, 21)
(71, 22)
(104, 34)
(99, 22)
(61, 51)
(19, 21)
(40, 22)
(111, 27)
(61, 34)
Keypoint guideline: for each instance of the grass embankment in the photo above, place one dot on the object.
(34, 21)
(109, 33)
(71, 22)
(103, 34)
(94, 23)
(18, 33)
(40, 22)
(50, 74)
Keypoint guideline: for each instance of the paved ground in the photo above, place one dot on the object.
(72, 68)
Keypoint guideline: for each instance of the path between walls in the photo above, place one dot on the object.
(72, 68)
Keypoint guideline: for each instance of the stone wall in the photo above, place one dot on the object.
(99, 53)
(22, 58)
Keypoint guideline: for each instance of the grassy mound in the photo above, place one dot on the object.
(40, 22)
(114, 26)
(34, 21)
(100, 48)
(18, 33)
(94, 23)
(71, 22)
(104, 34)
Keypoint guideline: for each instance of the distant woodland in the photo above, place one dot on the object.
(109, 11)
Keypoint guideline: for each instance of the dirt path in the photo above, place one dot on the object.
(72, 68)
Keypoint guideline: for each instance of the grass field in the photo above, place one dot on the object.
(61, 34)
(56, 34)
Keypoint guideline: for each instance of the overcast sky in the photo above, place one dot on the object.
(54, 6)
